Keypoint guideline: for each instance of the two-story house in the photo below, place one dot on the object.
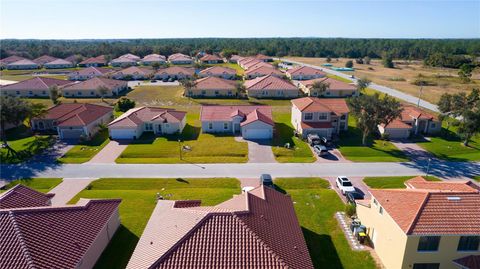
(325, 117)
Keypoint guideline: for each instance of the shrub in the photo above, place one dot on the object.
(350, 209)
(124, 104)
(349, 64)
(423, 82)
(359, 61)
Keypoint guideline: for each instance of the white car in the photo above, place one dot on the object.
(344, 184)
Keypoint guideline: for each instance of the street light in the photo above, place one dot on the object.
(180, 147)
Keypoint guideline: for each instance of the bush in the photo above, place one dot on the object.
(359, 61)
(124, 104)
(423, 82)
(350, 209)
(385, 136)
(397, 79)
(349, 64)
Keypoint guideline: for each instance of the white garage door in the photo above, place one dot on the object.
(71, 134)
(257, 133)
(123, 133)
(398, 133)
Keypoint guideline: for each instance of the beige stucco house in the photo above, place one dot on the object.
(304, 73)
(212, 87)
(91, 88)
(272, 87)
(335, 88)
(34, 87)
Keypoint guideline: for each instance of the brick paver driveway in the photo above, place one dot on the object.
(110, 152)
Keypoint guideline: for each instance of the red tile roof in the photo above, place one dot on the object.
(97, 71)
(316, 125)
(313, 104)
(468, 262)
(269, 82)
(51, 237)
(23, 62)
(36, 83)
(218, 70)
(235, 57)
(412, 112)
(397, 124)
(257, 115)
(226, 113)
(134, 70)
(214, 83)
(59, 61)
(174, 70)
(263, 57)
(95, 83)
(179, 57)
(210, 57)
(257, 229)
(76, 114)
(446, 186)
(44, 59)
(22, 196)
(11, 59)
(154, 58)
(130, 56)
(263, 70)
(333, 84)
(72, 58)
(124, 60)
(306, 71)
(94, 60)
(137, 116)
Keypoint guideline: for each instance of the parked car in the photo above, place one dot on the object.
(165, 79)
(354, 195)
(266, 180)
(313, 139)
(344, 184)
(320, 150)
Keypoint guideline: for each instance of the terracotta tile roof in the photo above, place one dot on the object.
(134, 70)
(258, 229)
(313, 104)
(130, 56)
(36, 83)
(72, 58)
(95, 83)
(154, 58)
(124, 60)
(257, 115)
(44, 59)
(235, 57)
(226, 113)
(263, 57)
(23, 62)
(94, 60)
(218, 70)
(468, 262)
(397, 124)
(97, 71)
(214, 83)
(179, 57)
(76, 114)
(448, 186)
(255, 63)
(11, 59)
(210, 57)
(51, 237)
(412, 112)
(316, 125)
(22, 196)
(263, 70)
(174, 70)
(137, 116)
(59, 61)
(269, 82)
(333, 84)
(305, 70)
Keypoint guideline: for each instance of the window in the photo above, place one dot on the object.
(322, 116)
(79, 93)
(225, 125)
(432, 125)
(44, 92)
(308, 116)
(314, 94)
(210, 125)
(148, 126)
(426, 265)
(18, 92)
(204, 92)
(30, 92)
(327, 93)
(375, 202)
(468, 243)
(217, 92)
(380, 210)
(343, 117)
(428, 243)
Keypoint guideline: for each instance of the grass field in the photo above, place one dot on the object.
(85, 151)
(392, 182)
(40, 184)
(315, 206)
(138, 201)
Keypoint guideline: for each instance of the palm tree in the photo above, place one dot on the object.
(102, 90)
(320, 87)
(240, 89)
(362, 84)
(188, 84)
(54, 94)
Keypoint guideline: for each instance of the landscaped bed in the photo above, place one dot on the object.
(85, 151)
(138, 201)
(392, 182)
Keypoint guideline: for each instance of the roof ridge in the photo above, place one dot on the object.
(417, 214)
(23, 245)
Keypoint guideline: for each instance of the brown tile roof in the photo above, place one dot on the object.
(333, 84)
(59, 61)
(94, 60)
(179, 57)
(76, 114)
(44, 59)
(137, 116)
(134, 70)
(154, 58)
(36, 83)
(95, 83)
(397, 124)
(258, 229)
(23, 62)
(21, 196)
(316, 125)
(210, 57)
(174, 70)
(305, 70)
(269, 82)
(264, 70)
(214, 83)
(97, 71)
(468, 262)
(412, 112)
(218, 70)
(226, 113)
(11, 59)
(51, 237)
(313, 104)
(130, 56)
(446, 186)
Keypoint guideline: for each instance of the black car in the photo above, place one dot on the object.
(266, 180)
(354, 195)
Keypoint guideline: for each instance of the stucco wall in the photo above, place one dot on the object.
(273, 93)
(211, 93)
(26, 93)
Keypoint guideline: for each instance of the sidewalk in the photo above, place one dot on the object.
(69, 187)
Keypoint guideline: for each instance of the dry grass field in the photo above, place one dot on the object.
(401, 77)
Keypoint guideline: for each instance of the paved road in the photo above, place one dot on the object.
(396, 93)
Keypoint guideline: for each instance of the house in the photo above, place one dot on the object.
(5, 61)
(174, 72)
(264, 58)
(91, 88)
(123, 62)
(130, 56)
(88, 73)
(58, 63)
(44, 59)
(325, 117)
(94, 62)
(304, 73)
(219, 71)
(34, 87)
(22, 196)
(212, 87)
(133, 123)
(413, 121)
(73, 120)
(263, 70)
(234, 59)
(153, 58)
(133, 73)
(431, 224)
(252, 122)
(179, 58)
(255, 229)
(74, 58)
(211, 59)
(37, 235)
(271, 87)
(248, 61)
(22, 65)
(336, 88)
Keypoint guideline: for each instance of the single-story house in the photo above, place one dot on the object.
(44, 59)
(336, 88)
(271, 87)
(174, 72)
(123, 62)
(22, 65)
(252, 122)
(211, 59)
(263, 70)
(212, 87)
(74, 58)
(94, 61)
(88, 73)
(179, 58)
(133, 73)
(304, 73)
(74, 120)
(91, 88)
(412, 121)
(11, 59)
(325, 117)
(58, 63)
(218, 71)
(34, 87)
(130, 56)
(235, 58)
(160, 121)
(153, 58)
(248, 61)
(38, 235)
(264, 58)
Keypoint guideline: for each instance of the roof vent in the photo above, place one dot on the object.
(453, 198)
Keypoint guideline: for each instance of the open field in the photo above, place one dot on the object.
(392, 182)
(85, 151)
(443, 80)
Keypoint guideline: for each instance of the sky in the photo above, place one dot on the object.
(102, 19)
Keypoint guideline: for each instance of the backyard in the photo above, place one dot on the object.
(85, 150)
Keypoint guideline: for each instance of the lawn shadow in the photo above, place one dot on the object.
(280, 189)
(117, 253)
(322, 250)
(181, 180)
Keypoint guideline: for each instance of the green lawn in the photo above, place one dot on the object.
(237, 67)
(299, 151)
(350, 145)
(39, 184)
(86, 150)
(138, 201)
(339, 78)
(315, 206)
(476, 178)
(392, 182)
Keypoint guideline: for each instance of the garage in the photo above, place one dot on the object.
(397, 133)
(123, 133)
(71, 133)
(257, 133)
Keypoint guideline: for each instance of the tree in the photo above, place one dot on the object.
(14, 111)
(328, 59)
(227, 53)
(124, 104)
(102, 90)
(349, 64)
(465, 72)
(54, 94)
(362, 84)
(366, 60)
(240, 89)
(387, 61)
(320, 87)
(188, 84)
(359, 61)
(464, 107)
(156, 66)
(371, 111)
(37, 110)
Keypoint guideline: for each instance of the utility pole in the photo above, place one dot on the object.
(420, 96)
(180, 148)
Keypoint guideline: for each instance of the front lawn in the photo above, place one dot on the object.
(299, 151)
(448, 146)
(40, 184)
(350, 145)
(476, 178)
(315, 206)
(392, 182)
(85, 151)
(138, 201)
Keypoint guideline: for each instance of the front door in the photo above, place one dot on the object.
(159, 129)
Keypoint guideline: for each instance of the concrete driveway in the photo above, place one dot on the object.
(110, 152)
(334, 155)
(411, 149)
(69, 187)
(259, 151)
